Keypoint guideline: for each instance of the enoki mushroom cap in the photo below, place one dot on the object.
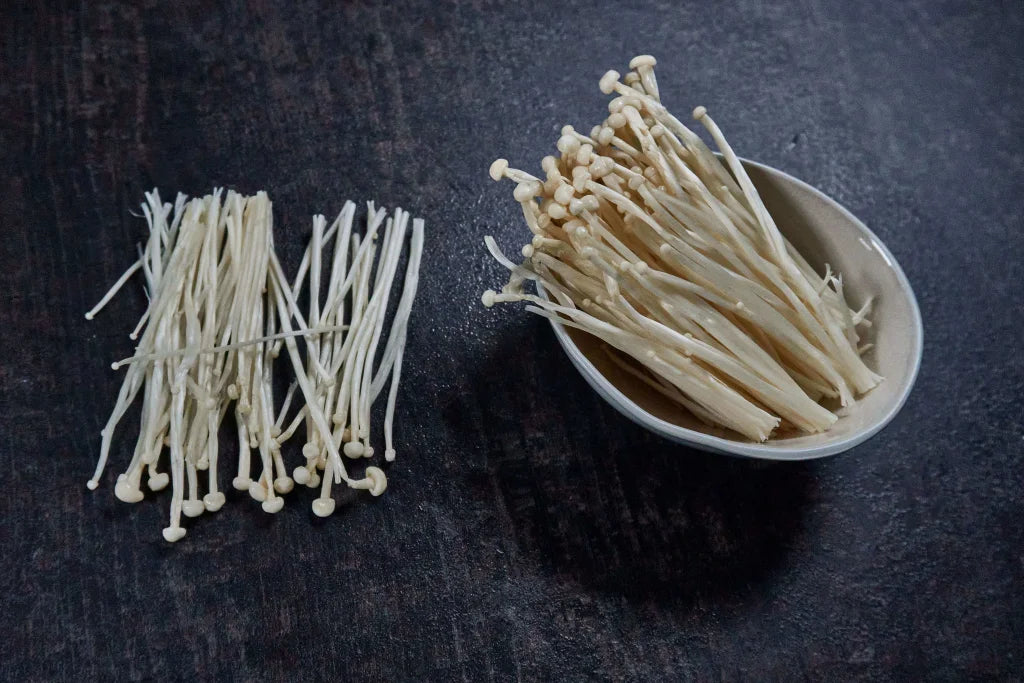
(214, 501)
(273, 505)
(354, 449)
(193, 508)
(524, 192)
(127, 491)
(300, 475)
(568, 145)
(498, 168)
(641, 61)
(608, 82)
(374, 481)
(323, 507)
(258, 491)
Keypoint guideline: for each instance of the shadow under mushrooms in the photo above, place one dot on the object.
(593, 498)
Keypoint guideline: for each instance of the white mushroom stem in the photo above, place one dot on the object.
(651, 243)
(132, 269)
(219, 310)
(393, 359)
(308, 332)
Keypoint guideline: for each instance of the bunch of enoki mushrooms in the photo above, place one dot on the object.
(645, 239)
(220, 312)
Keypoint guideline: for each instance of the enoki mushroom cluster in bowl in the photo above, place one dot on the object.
(220, 312)
(643, 238)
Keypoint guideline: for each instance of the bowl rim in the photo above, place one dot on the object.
(611, 394)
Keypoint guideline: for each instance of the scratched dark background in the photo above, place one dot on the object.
(528, 532)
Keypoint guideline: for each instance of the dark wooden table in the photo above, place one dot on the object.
(529, 532)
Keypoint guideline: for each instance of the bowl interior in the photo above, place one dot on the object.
(824, 232)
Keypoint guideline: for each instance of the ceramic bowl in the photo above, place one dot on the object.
(823, 231)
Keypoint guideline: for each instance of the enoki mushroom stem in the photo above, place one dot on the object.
(648, 241)
(219, 311)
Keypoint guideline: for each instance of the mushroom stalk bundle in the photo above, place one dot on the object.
(643, 238)
(220, 310)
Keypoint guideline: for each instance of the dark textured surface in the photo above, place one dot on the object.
(528, 532)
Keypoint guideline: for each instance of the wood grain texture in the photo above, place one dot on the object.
(528, 532)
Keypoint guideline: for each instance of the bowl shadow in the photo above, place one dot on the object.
(590, 497)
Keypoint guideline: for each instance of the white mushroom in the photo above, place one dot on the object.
(669, 256)
(220, 310)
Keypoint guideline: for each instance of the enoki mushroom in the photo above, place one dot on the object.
(643, 238)
(220, 309)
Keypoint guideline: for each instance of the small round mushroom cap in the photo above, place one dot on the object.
(158, 481)
(524, 192)
(193, 508)
(379, 482)
(616, 120)
(642, 60)
(608, 81)
(214, 501)
(257, 491)
(127, 492)
(323, 507)
(601, 166)
(498, 168)
(567, 145)
(273, 505)
(172, 534)
(563, 195)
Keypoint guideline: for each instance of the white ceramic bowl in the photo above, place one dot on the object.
(823, 231)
